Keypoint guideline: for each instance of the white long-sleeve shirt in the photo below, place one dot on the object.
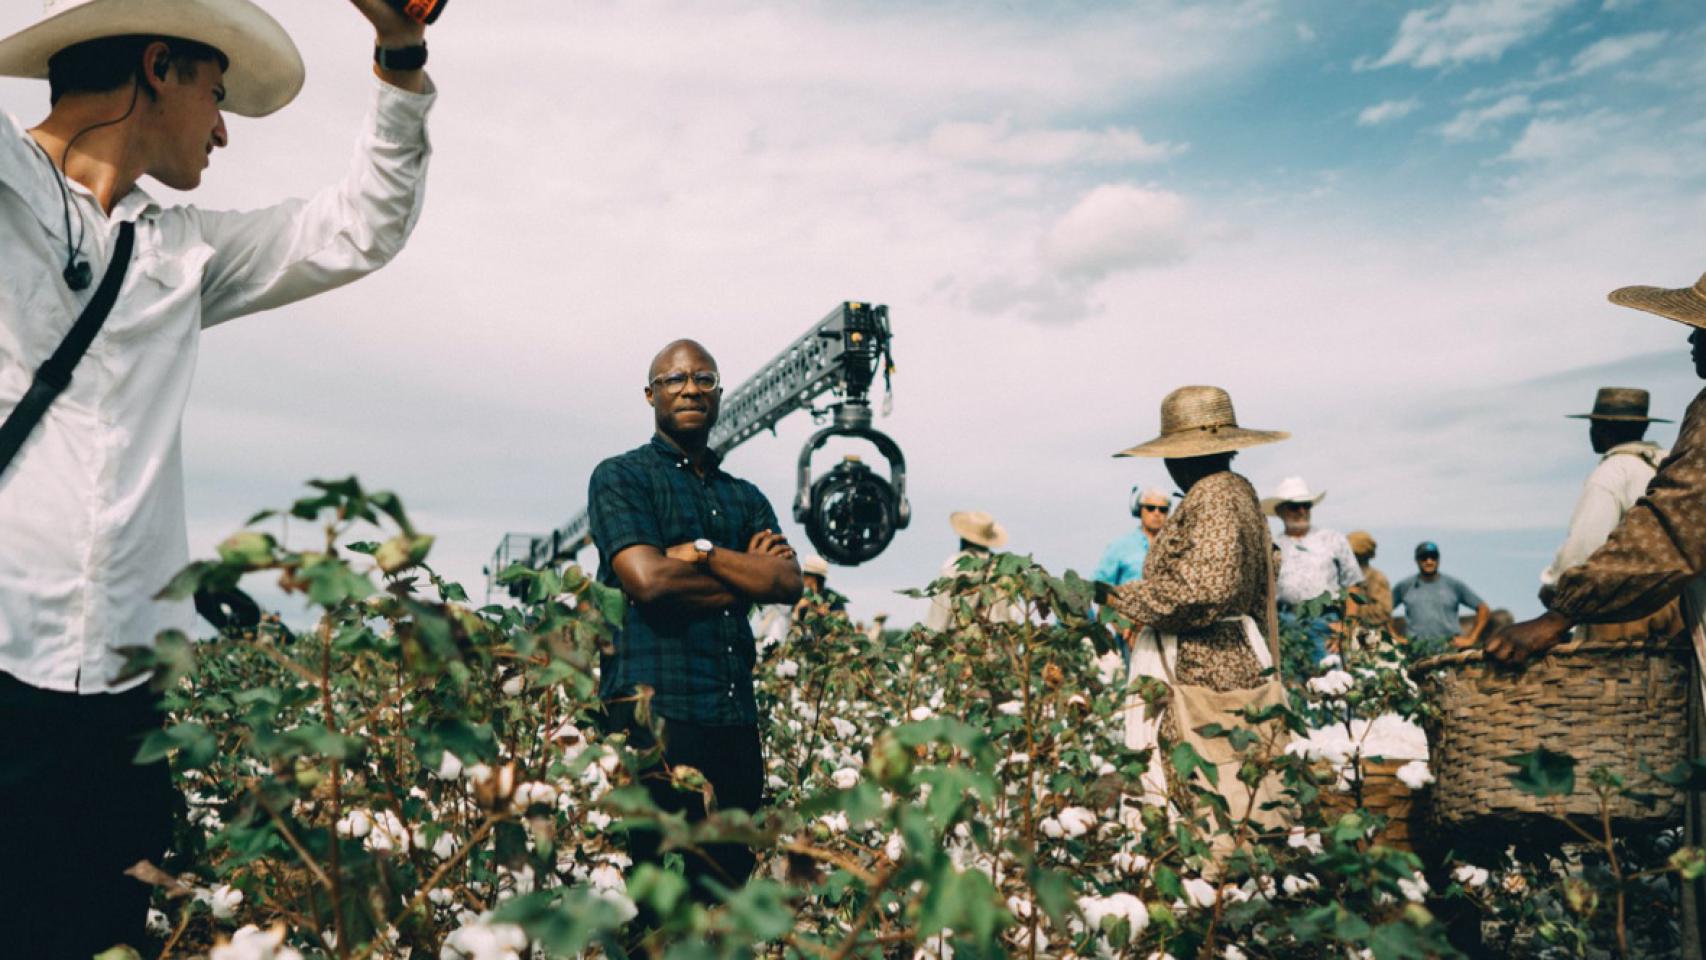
(92, 521)
(1611, 489)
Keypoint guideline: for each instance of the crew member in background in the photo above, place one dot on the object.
(1376, 610)
(979, 536)
(1122, 562)
(1656, 555)
(1313, 561)
(1430, 600)
(693, 549)
(1617, 428)
(817, 595)
(92, 493)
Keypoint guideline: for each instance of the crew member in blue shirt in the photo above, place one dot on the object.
(1122, 562)
(693, 549)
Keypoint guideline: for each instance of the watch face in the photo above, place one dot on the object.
(702, 545)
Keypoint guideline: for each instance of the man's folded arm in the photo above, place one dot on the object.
(650, 578)
(766, 573)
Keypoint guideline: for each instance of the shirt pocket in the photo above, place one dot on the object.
(161, 294)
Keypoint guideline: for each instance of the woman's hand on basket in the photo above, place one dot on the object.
(1520, 641)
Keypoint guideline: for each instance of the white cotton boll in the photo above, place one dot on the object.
(1415, 774)
(606, 877)
(921, 712)
(1302, 839)
(1199, 892)
(1333, 683)
(1471, 876)
(355, 824)
(1111, 667)
(389, 833)
(483, 940)
(1017, 758)
(845, 779)
(440, 897)
(157, 924)
(514, 685)
(787, 669)
(597, 819)
(477, 773)
(1414, 888)
(1128, 862)
(608, 761)
(223, 901)
(449, 767)
(444, 847)
(253, 943)
(1231, 952)
(843, 729)
(836, 822)
(625, 908)
(1331, 661)
(1019, 907)
(538, 793)
(1051, 828)
(1076, 821)
(1011, 708)
(773, 782)
(894, 847)
(1294, 884)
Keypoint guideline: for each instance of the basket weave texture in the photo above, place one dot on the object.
(1604, 700)
(1382, 793)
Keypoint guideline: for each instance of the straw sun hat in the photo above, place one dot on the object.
(1619, 405)
(1684, 304)
(1198, 422)
(266, 70)
(979, 528)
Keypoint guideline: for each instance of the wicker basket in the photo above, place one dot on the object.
(1606, 698)
(1382, 793)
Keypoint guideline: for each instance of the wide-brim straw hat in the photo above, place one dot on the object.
(1684, 304)
(1197, 422)
(979, 528)
(266, 70)
(1292, 490)
(1619, 405)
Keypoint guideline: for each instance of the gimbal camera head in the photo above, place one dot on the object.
(852, 513)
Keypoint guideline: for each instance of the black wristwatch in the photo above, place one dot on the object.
(401, 58)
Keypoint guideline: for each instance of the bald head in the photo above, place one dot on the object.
(683, 355)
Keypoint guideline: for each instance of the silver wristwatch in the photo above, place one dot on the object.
(704, 547)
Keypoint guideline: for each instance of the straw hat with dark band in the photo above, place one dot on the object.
(978, 527)
(266, 70)
(1619, 405)
(1198, 422)
(1684, 304)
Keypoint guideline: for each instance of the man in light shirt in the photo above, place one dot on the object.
(1313, 561)
(1617, 429)
(980, 536)
(92, 515)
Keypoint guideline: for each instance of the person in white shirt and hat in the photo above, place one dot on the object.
(1617, 429)
(104, 295)
(1313, 561)
(979, 536)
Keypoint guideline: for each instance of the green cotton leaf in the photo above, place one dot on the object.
(1167, 883)
(331, 582)
(611, 603)
(760, 908)
(471, 742)
(561, 921)
(194, 743)
(186, 582)
(316, 741)
(1543, 773)
(1400, 941)
(389, 504)
(657, 888)
(248, 549)
(1053, 893)
(1689, 774)
(402, 552)
(1350, 928)
(1185, 759)
(362, 546)
(257, 518)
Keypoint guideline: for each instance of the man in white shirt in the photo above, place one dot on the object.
(1617, 428)
(92, 517)
(1313, 561)
(980, 536)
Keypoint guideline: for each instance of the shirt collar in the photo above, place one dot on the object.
(1636, 447)
(30, 174)
(670, 452)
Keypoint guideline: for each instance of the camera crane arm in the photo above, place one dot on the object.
(844, 515)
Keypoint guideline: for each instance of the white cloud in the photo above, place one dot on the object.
(1469, 123)
(1614, 50)
(1387, 110)
(1119, 227)
(1464, 31)
(1558, 138)
(996, 142)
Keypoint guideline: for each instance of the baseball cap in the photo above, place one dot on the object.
(1427, 548)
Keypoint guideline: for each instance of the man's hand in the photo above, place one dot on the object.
(391, 29)
(1520, 641)
(769, 543)
(1462, 642)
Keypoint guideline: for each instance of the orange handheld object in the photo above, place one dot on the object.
(421, 11)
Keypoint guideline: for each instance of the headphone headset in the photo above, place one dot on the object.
(1137, 501)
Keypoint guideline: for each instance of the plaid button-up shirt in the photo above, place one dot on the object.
(699, 664)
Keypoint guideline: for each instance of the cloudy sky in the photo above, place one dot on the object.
(1386, 227)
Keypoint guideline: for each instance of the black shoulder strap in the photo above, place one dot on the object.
(55, 375)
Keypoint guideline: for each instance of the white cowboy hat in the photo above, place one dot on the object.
(1198, 422)
(815, 565)
(979, 528)
(266, 70)
(1292, 490)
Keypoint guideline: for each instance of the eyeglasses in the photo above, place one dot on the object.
(705, 380)
(1157, 507)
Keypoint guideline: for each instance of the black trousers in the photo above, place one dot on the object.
(75, 812)
(733, 763)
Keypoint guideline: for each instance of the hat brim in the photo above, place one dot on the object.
(266, 70)
(1615, 417)
(1271, 505)
(994, 539)
(1203, 443)
(1683, 305)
